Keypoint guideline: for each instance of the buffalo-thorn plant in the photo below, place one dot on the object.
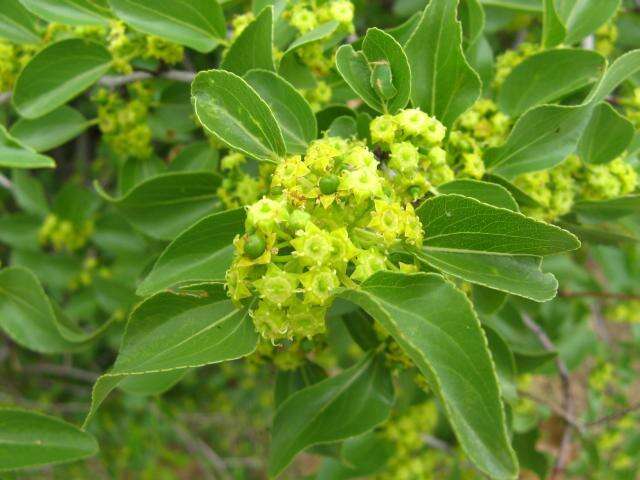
(413, 226)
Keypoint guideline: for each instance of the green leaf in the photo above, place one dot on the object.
(164, 205)
(253, 49)
(58, 73)
(442, 82)
(233, 111)
(355, 70)
(382, 81)
(457, 223)
(31, 439)
(152, 383)
(548, 76)
(201, 253)
(29, 194)
(583, 17)
(51, 130)
(553, 30)
(520, 196)
(367, 453)
(521, 5)
(198, 24)
(486, 192)
(435, 325)
(607, 210)
(540, 139)
(344, 127)
(606, 136)
(292, 111)
(14, 154)
(505, 363)
(172, 331)
(319, 33)
(30, 319)
(339, 407)
(17, 24)
(196, 157)
(381, 48)
(71, 12)
(472, 18)
(518, 275)
(622, 68)
(290, 381)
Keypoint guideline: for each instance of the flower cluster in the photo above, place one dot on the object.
(557, 189)
(411, 460)
(125, 45)
(63, 234)
(510, 59)
(412, 141)
(305, 16)
(238, 187)
(624, 312)
(605, 38)
(90, 269)
(631, 105)
(123, 122)
(328, 221)
(12, 59)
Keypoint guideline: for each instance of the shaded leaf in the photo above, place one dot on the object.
(31, 439)
(442, 82)
(435, 325)
(339, 407)
(17, 24)
(253, 48)
(164, 205)
(58, 73)
(198, 24)
(50, 130)
(594, 147)
(231, 110)
(201, 253)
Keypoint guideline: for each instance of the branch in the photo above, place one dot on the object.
(62, 371)
(568, 404)
(614, 416)
(5, 182)
(113, 81)
(5, 97)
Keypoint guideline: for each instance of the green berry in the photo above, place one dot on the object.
(329, 184)
(415, 191)
(255, 246)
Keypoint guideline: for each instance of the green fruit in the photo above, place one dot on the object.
(329, 184)
(254, 246)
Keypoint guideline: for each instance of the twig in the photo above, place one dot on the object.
(5, 182)
(574, 422)
(62, 371)
(614, 416)
(597, 294)
(113, 81)
(568, 405)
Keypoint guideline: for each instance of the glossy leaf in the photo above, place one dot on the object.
(381, 48)
(486, 192)
(594, 147)
(198, 24)
(607, 210)
(166, 204)
(14, 154)
(518, 275)
(30, 319)
(583, 17)
(442, 82)
(339, 407)
(176, 331)
(17, 24)
(553, 30)
(454, 223)
(355, 70)
(232, 110)
(253, 49)
(540, 139)
(31, 439)
(58, 73)
(292, 111)
(50, 130)
(548, 76)
(434, 324)
(201, 253)
(71, 12)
